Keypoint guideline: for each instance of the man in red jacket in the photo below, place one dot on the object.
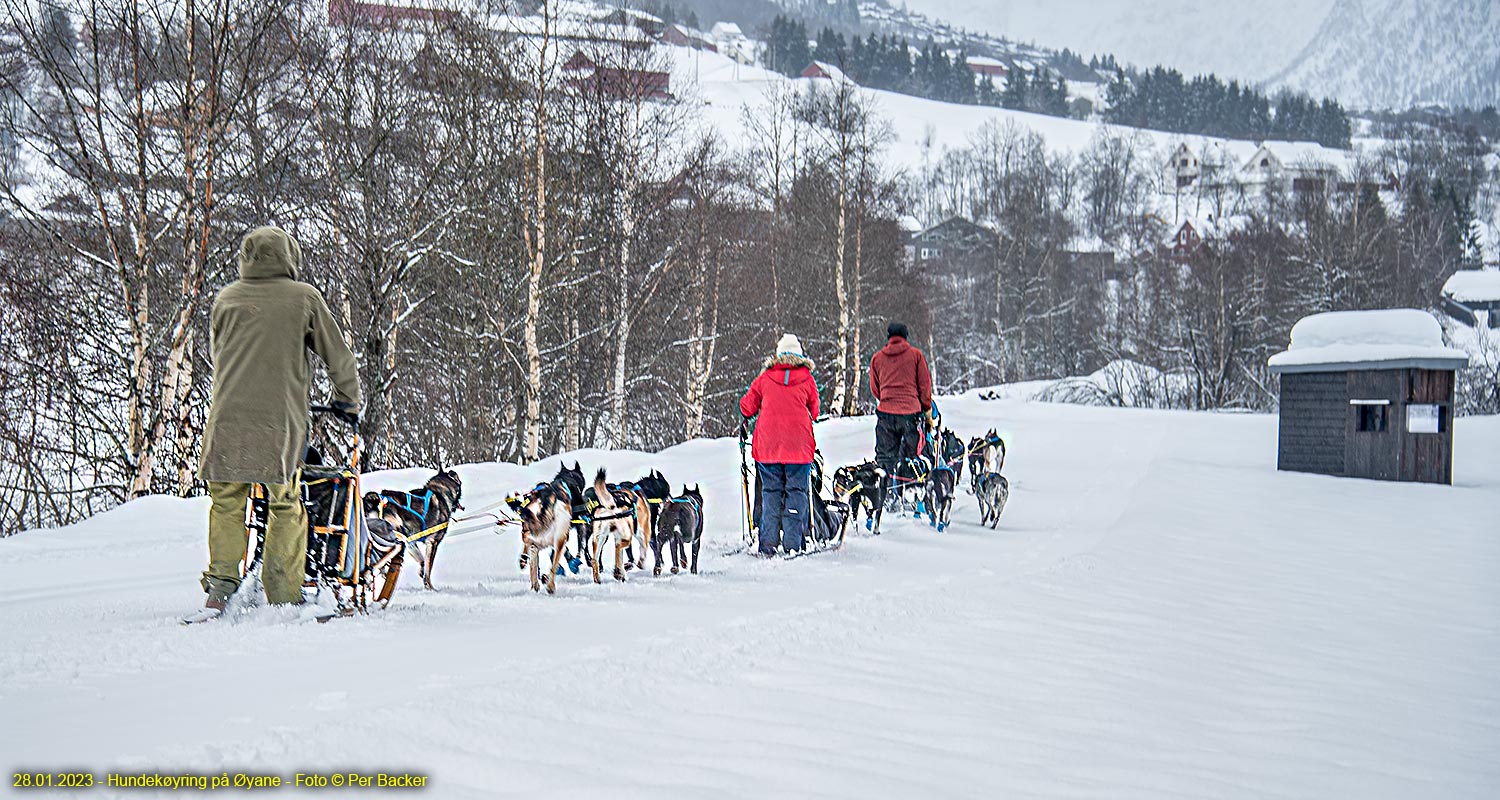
(902, 384)
(785, 397)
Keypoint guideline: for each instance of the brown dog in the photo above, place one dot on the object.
(620, 515)
(546, 520)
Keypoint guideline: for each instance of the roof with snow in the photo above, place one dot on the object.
(1393, 338)
(1474, 286)
(823, 69)
(984, 61)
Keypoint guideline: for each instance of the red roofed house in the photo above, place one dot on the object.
(991, 67)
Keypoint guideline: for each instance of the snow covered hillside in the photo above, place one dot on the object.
(1248, 41)
(1400, 53)
(921, 128)
(1160, 614)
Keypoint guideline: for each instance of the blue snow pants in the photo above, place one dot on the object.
(783, 499)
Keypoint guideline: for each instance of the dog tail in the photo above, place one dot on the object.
(601, 490)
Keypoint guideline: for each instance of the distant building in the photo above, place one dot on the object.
(683, 36)
(823, 69)
(389, 13)
(732, 42)
(987, 67)
(1472, 296)
(1183, 167)
(622, 83)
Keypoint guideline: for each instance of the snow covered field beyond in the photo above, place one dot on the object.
(1160, 615)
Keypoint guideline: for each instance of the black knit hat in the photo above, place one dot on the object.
(896, 329)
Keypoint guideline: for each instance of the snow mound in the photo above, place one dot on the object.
(1388, 338)
(1474, 286)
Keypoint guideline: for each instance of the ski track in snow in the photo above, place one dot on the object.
(1160, 615)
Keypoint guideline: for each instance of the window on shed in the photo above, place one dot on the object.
(1372, 418)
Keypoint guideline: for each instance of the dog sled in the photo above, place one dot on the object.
(352, 559)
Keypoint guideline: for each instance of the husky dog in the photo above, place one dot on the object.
(680, 522)
(940, 485)
(986, 454)
(951, 449)
(545, 514)
(621, 516)
(993, 491)
(423, 512)
(909, 484)
(863, 487)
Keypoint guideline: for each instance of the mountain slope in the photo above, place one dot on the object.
(1248, 41)
(1398, 53)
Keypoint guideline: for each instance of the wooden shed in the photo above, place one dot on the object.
(1368, 394)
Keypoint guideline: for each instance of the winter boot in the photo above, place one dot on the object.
(212, 609)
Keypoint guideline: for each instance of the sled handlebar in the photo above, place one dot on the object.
(349, 418)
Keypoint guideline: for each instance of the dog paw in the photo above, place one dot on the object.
(674, 570)
(656, 573)
(619, 574)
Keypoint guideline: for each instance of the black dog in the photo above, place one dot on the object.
(655, 489)
(680, 522)
(940, 483)
(975, 458)
(423, 513)
(862, 486)
(952, 451)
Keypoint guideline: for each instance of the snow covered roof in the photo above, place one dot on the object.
(1474, 286)
(823, 69)
(727, 30)
(1393, 338)
(984, 61)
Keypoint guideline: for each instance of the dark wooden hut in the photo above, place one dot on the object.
(1368, 394)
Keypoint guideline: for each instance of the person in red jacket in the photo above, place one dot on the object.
(785, 397)
(902, 385)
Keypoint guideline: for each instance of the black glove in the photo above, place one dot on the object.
(346, 412)
(744, 428)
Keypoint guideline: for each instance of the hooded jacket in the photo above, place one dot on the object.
(900, 379)
(785, 397)
(260, 330)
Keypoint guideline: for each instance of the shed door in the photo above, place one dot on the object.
(1372, 444)
(1428, 457)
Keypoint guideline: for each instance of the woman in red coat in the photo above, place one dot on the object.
(785, 397)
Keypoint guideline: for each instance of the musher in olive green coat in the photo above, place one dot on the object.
(260, 331)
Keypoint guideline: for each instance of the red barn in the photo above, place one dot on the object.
(622, 83)
(386, 15)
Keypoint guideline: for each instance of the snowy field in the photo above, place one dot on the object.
(1160, 615)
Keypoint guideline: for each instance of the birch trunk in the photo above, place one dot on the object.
(841, 294)
(532, 421)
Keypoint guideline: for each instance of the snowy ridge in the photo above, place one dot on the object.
(1161, 614)
(1400, 53)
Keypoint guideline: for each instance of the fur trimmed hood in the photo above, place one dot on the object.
(789, 360)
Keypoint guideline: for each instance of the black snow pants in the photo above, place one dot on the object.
(896, 438)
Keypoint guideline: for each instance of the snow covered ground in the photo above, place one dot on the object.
(1161, 614)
